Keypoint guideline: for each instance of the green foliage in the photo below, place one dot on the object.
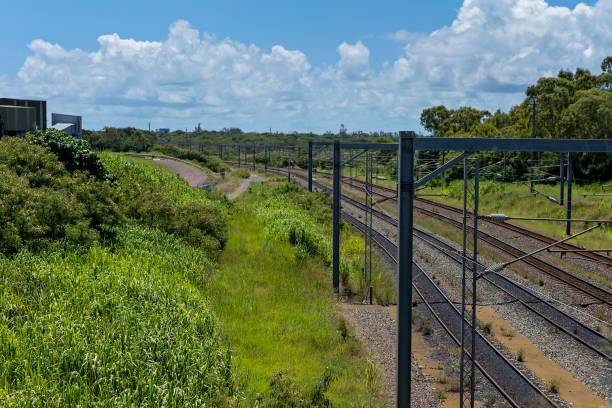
(154, 197)
(42, 201)
(125, 325)
(242, 173)
(284, 393)
(280, 315)
(120, 139)
(73, 152)
(206, 160)
(572, 105)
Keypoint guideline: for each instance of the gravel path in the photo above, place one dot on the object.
(244, 185)
(192, 175)
(376, 330)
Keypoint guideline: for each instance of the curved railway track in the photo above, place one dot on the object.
(582, 333)
(389, 193)
(598, 293)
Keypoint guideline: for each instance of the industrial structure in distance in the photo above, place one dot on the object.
(20, 116)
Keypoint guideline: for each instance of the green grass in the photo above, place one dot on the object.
(119, 325)
(279, 314)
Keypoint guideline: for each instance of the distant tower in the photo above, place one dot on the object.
(342, 130)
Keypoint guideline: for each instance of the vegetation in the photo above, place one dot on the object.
(43, 202)
(569, 106)
(101, 299)
(207, 160)
(305, 220)
(242, 173)
(106, 293)
(74, 153)
(121, 324)
(272, 291)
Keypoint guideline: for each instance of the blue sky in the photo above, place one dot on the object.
(370, 65)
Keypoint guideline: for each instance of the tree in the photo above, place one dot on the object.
(462, 120)
(606, 65)
(432, 118)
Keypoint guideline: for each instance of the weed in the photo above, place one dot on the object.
(441, 395)
(242, 173)
(541, 282)
(520, 355)
(371, 375)
(489, 401)
(553, 386)
(425, 328)
(486, 327)
(343, 328)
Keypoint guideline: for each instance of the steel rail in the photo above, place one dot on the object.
(551, 270)
(569, 325)
(517, 389)
(385, 191)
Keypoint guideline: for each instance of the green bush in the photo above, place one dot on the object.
(73, 152)
(207, 160)
(157, 198)
(242, 173)
(41, 201)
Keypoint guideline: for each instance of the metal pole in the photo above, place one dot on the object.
(533, 137)
(405, 207)
(474, 277)
(336, 219)
(288, 167)
(266, 159)
(310, 165)
(371, 210)
(463, 269)
(561, 179)
(570, 178)
(238, 155)
(505, 162)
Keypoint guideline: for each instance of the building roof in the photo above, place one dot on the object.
(62, 126)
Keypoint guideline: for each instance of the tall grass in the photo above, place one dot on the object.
(279, 315)
(303, 219)
(119, 325)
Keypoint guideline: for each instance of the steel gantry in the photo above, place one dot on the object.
(408, 145)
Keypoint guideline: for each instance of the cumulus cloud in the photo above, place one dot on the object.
(504, 45)
(354, 60)
(486, 57)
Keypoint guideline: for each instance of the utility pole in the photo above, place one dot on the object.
(533, 124)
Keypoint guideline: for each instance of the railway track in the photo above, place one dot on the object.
(433, 298)
(517, 389)
(582, 333)
(389, 193)
(600, 294)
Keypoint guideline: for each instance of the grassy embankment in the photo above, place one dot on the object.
(101, 300)
(107, 291)
(273, 293)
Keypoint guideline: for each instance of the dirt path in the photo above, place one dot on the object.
(244, 185)
(192, 175)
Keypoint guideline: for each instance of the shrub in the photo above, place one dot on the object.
(284, 393)
(73, 152)
(41, 201)
(207, 160)
(242, 173)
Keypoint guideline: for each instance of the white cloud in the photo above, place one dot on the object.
(486, 57)
(354, 60)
